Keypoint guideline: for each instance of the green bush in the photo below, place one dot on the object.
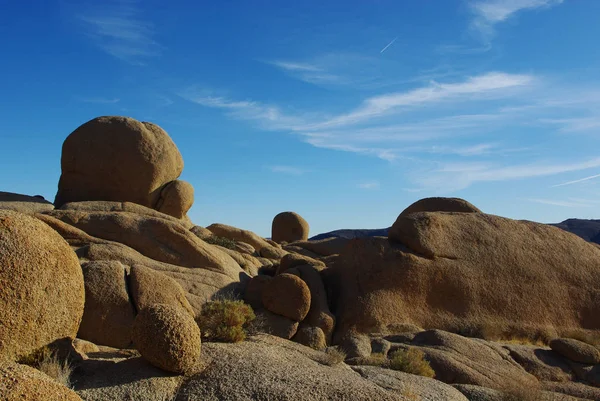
(221, 241)
(225, 320)
(411, 361)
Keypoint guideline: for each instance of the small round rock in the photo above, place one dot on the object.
(289, 227)
(168, 337)
(576, 350)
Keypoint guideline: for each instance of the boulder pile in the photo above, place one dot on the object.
(116, 262)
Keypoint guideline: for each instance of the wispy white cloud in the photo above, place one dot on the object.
(291, 170)
(118, 27)
(295, 66)
(488, 13)
(453, 177)
(578, 124)
(370, 185)
(490, 85)
(591, 177)
(561, 203)
(98, 100)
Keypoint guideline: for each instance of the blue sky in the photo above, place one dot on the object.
(344, 111)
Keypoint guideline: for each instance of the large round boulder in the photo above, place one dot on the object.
(287, 295)
(41, 286)
(168, 337)
(289, 227)
(440, 204)
(176, 198)
(117, 159)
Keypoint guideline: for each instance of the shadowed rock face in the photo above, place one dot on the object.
(457, 271)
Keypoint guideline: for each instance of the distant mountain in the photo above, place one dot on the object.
(589, 230)
(353, 233)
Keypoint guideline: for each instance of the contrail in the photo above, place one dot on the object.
(388, 45)
(576, 181)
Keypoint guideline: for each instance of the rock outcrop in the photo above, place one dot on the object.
(41, 286)
(289, 227)
(287, 295)
(576, 351)
(168, 338)
(436, 269)
(24, 203)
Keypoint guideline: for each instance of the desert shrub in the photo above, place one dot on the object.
(335, 355)
(225, 320)
(412, 361)
(221, 241)
(46, 361)
(511, 333)
(375, 359)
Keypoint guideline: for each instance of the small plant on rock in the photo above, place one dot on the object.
(48, 362)
(335, 355)
(221, 241)
(225, 320)
(412, 361)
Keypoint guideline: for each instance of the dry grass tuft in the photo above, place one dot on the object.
(225, 320)
(412, 361)
(48, 362)
(335, 355)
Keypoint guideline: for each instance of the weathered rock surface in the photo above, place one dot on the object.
(292, 260)
(24, 383)
(289, 227)
(24, 203)
(287, 295)
(200, 285)
(117, 159)
(159, 239)
(457, 359)
(270, 368)
(41, 286)
(168, 338)
(116, 375)
(324, 247)
(543, 363)
(576, 350)
(439, 276)
(412, 387)
(276, 325)
(148, 287)
(254, 290)
(108, 314)
(478, 393)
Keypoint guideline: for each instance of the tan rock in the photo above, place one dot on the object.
(440, 205)
(24, 383)
(289, 227)
(200, 285)
(312, 337)
(41, 286)
(237, 234)
(576, 350)
(148, 287)
(159, 239)
(293, 260)
(276, 325)
(108, 314)
(244, 248)
(84, 346)
(287, 295)
(168, 338)
(439, 276)
(319, 314)
(176, 198)
(113, 206)
(24, 203)
(201, 232)
(247, 265)
(272, 252)
(117, 159)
